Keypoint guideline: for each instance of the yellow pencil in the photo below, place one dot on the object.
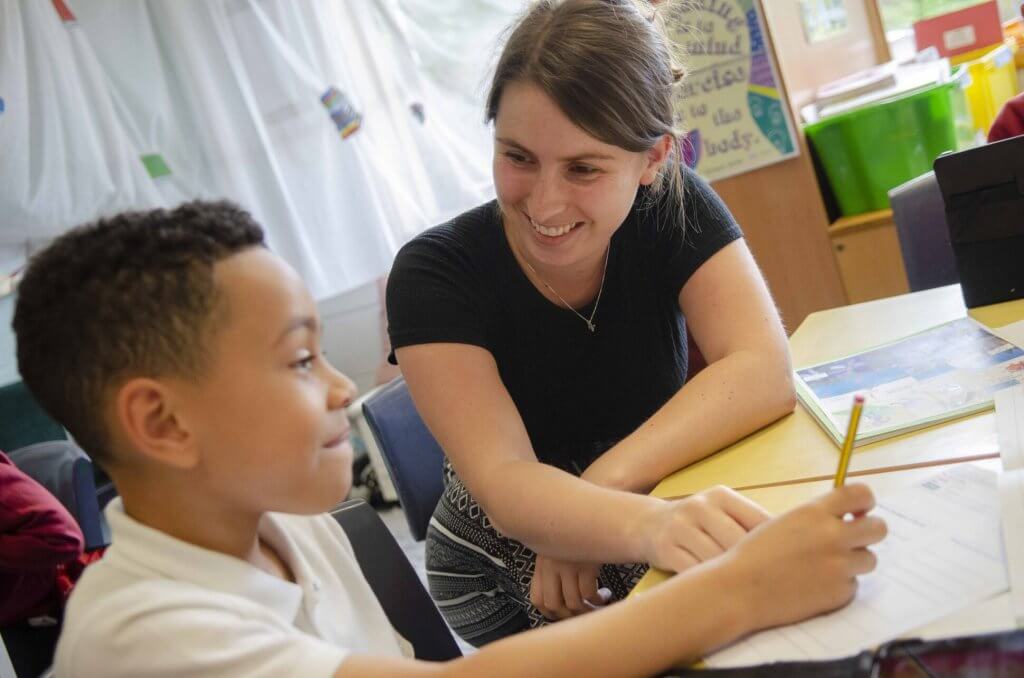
(851, 434)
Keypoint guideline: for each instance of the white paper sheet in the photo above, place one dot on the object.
(1011, 497)
(1010, 428)
(944, 552)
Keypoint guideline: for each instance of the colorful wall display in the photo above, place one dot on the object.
(730, 103)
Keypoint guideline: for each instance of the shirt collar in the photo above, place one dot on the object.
(158, 553)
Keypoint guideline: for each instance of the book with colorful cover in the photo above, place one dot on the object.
(942, 373)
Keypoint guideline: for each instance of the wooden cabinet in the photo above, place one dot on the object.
(867, 251)
(865, 255)
(784, 222)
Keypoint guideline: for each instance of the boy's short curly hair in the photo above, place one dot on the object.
(128, 296)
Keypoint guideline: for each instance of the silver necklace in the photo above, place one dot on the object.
(589, 321)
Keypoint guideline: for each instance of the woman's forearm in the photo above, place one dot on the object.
(561, 516)
(729, 399)
(553, 512)
(549, 510)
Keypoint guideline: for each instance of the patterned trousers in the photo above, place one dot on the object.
(480, 579)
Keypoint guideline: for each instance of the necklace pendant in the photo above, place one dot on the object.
(591, 326)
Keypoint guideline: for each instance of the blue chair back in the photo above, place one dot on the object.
(394, 582)
(920, 216)
(66, 471)
(413, 457)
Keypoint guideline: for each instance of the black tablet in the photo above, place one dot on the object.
(983, 191)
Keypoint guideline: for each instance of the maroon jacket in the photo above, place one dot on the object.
(1010, 121)
(37, 535)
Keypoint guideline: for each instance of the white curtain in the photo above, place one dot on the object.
(151, 102)
(457, 43)
(64, 150)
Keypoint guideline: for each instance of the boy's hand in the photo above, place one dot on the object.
(561, 589)
(806, 561)
(690, 531)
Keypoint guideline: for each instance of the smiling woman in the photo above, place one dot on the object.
(544, 335)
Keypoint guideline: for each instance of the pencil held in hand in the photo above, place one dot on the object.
(851, 434)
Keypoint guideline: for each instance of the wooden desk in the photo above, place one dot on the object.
(795, 449)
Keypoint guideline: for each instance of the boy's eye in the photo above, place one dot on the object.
(305, 362)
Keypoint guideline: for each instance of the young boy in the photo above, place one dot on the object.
(185, 357)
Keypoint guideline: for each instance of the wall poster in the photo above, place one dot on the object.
(730, 103)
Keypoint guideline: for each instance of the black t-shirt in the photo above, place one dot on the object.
(578, 392)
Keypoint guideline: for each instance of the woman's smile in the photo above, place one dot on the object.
(551, 233)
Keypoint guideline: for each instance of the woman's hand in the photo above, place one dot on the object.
(561, 589)
(690, 531)
(806, 561)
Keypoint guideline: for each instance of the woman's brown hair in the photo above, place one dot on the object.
(608, 65)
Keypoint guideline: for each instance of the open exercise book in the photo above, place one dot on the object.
(949, 371)
(944, 552)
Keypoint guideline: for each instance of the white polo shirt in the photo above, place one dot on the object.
(158, 606)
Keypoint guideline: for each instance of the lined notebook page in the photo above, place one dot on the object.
(944, 552)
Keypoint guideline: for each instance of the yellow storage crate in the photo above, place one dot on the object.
(1014, 32)
(993, 82)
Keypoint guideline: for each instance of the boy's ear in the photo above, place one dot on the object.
(152, 424)
(656, 157)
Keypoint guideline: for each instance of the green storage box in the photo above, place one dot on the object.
(869, 150)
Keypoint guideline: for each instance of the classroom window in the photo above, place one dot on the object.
(900, 15)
